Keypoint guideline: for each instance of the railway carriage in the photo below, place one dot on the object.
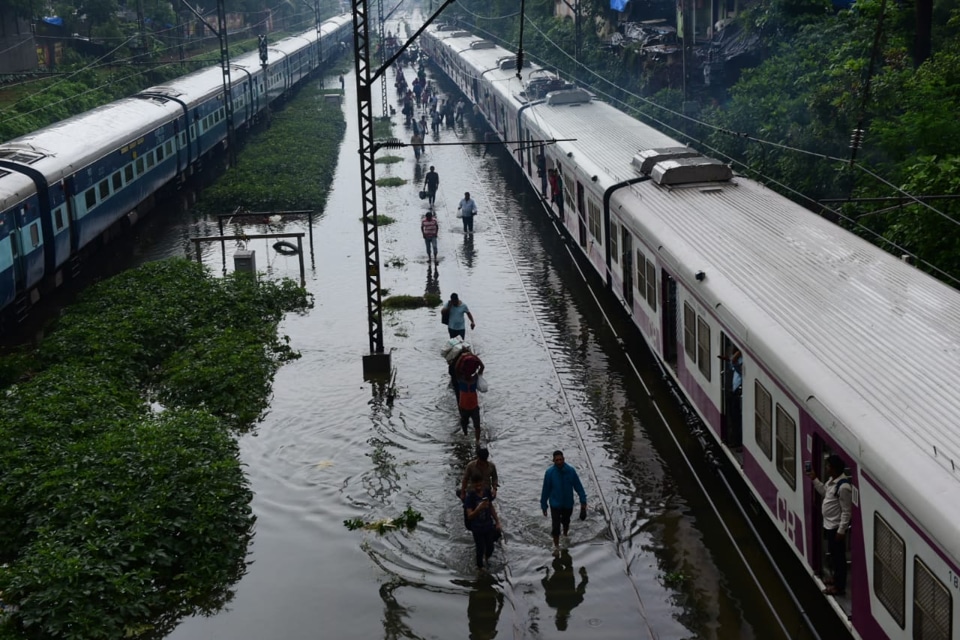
(846, 349)
(65, 186)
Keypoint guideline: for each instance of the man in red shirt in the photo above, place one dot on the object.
(468, 367)
(429, 227)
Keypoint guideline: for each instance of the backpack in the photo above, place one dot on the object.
(445, 315)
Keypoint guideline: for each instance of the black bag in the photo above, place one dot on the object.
(445, 315)
(423, 195)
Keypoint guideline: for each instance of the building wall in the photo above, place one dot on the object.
(17, 44)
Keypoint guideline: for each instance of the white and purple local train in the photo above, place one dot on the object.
(64, 186)
(846, 349)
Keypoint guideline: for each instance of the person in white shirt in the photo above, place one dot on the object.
(468, 209)
(837, 506)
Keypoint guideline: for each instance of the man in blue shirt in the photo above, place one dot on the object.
(559, 483)
(456, 325)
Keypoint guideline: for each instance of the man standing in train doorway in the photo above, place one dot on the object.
(837, 504)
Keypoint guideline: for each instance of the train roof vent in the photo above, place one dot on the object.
(505, 64)
(23, 156)
(575, 95)
(482, 44)
(645, 160)
(690, 170)
(461, 34)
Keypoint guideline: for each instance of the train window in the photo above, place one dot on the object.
(193, 132)
(652, 285)
(169, 147)
(58, 222)
(117, 181)
(150, 160)
(128, 173)
(593, 219)
(889, 568)
(140, 166)
(159, 153)
(614, 247)
(183, 139)
(787, 447)
(763, 422)
(104, 189)
(690, 331)
(568, 190)
(932, 605)
(35, 234)
(90, 198)
(641, 281)
(703, 348)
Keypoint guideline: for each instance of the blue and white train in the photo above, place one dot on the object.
(65, 186)
(846, 349)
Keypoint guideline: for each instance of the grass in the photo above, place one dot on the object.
(388, 160)
(391, 182)
(412, 302)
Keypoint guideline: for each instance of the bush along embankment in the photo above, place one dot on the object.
(288, 166)
(123, 504)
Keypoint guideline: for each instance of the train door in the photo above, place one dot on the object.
(581, 213)
(731, 400)
(18, 274)
(626, 264)
(819, 556)
(670, 318)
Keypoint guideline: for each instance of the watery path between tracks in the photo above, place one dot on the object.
(331, 448)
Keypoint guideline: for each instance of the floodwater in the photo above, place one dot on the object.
(650, 561)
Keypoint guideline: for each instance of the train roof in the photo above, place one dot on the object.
(868, 343)
(14, 188)
(60, 148)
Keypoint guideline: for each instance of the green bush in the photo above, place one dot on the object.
(123, 504)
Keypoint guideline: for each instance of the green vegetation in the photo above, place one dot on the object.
(391, 182)
(388, 159)
(30, 107)
(816, 76)
(412, 302)
(408, 520)
(382, 129)
(123, 504)
(286, 167)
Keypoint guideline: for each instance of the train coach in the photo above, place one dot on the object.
(66, 186)
(845, 349)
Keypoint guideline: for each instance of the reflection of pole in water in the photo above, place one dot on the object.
(561, 590)
(433, 281)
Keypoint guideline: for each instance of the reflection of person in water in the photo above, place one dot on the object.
(483, 609)
(561, 589)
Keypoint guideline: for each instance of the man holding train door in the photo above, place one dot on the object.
(837, 503)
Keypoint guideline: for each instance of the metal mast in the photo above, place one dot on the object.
(383, 58)
(377, 363)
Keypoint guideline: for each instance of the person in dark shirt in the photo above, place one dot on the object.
(484, 522)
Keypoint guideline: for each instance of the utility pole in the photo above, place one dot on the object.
(576, 27)
(383, 58)
(221, 32)
(264, 54)
(377, 363)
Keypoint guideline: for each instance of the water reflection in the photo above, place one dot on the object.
(394, 613)
(433, 281)
(468, 253)
(483, 607)
(561, 589)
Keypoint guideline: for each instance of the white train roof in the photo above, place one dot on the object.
(80, 139)
(869, 344)
(14, 187)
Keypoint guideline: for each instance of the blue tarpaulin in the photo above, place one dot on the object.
(54, 20)
(618, 5)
